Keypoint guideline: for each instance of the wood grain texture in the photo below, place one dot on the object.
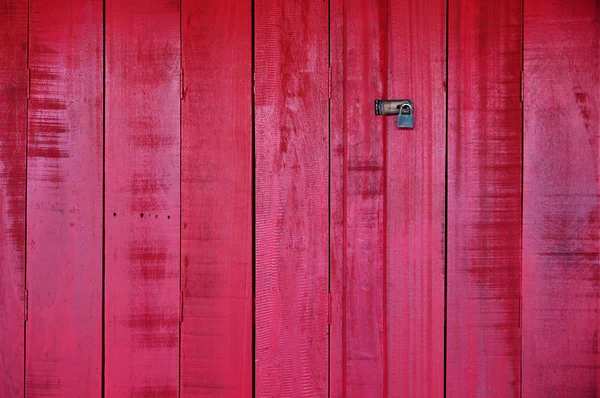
(363, 57)
(142, 188)
(336, 201)
(364, 61)
(291, 72)
(13, 130)
(64, 199)
(484, 198)
(415, 200)
(561, 204)
(387, 200)
(216, 196)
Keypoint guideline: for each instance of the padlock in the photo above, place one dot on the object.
(406, 119)
(401, 107)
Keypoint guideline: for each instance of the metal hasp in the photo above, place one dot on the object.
(402, 108)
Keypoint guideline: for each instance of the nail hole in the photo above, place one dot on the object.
(142, 215)
(114, 214)
(169, 217)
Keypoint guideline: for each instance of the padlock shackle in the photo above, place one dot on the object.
(407, 105)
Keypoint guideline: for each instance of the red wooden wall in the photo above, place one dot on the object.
(197, 199)
(387, 200)
(142, 198)
(216, 199)
(291, 198)
(63, 337)
(561, 199)
(483, 351)
(13, 172)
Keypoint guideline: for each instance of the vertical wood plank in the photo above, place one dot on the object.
(142, 202)
(64, 199)
(291, 44)
(387, 200)
(216, 196)
(337, 208)
(484, 198)
(13, 129)
(415, 200)
(359, 73)
(561, 204)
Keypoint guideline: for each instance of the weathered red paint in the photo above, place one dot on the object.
(291, 139)
(387, 200)
(336, 201)
(216, 199)
(361, 278)
(142, 188)
(64, 200)
(484, 198)
(13, 128)
(415, 187)
(377, 190)
(561, 199)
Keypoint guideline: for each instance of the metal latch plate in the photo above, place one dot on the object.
(390, 107)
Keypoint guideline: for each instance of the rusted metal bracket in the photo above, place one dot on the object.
(390, 107)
